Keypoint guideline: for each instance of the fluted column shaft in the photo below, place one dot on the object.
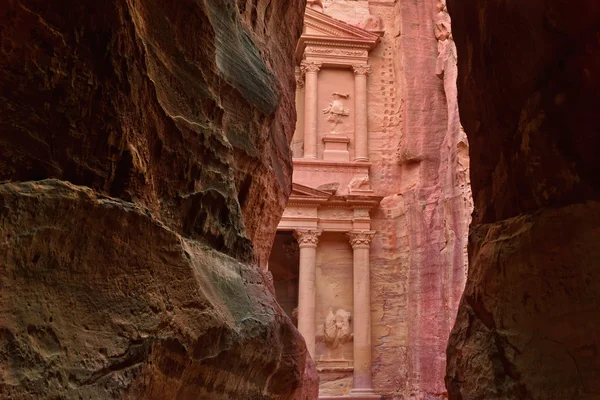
(361, 242)
(361, 135)
(307, 241)
(311, 116)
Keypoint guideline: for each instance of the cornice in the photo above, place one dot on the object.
(305, 162)
(340, 202)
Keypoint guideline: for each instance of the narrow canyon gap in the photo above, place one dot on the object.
(528, 326)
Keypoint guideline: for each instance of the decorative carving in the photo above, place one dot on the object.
(336, 52)
(299, 78)
(360, 239)
(337, 328)
(315, 5)
(361, 69)
(310, 66)
(325, 27)
(336, 110)
(359, 182)
(372, 23)
(329, 187)
(443, 33)
(307, 237)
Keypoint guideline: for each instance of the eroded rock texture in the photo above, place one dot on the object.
(163, 129)
(420, 162)
(529, 321)
(420, 166)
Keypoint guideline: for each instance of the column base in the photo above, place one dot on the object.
(364, 394)
(361, 159)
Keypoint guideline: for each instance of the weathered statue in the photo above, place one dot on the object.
(315, 5)
(337, 328)
(336, 110)
(372, 23)
(359, 182)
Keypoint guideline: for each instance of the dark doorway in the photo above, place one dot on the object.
(283, 264)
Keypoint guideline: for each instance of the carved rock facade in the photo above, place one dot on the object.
(394, 175)
(147, 145)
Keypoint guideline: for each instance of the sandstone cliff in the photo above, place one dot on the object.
(529, 321)
(420, 164)
(144, 149)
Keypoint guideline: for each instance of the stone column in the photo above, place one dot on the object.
(311, 116)
(361, 135)
(361, 242)
(298, 138)
(307, 241)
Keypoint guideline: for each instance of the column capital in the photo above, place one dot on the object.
(360, 239)
(310, 66)
(299, 78)
(307, 237)
(361, 69)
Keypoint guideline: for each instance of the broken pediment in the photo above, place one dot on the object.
(319, 24)
(326, 37)
(307, 193)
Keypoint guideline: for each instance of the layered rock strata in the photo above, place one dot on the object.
(528, 326)
(146, 164)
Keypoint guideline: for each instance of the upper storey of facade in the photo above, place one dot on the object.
(331, 143)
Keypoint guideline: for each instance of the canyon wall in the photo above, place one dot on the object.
(419, 157)
(144, 167)
(528, 326)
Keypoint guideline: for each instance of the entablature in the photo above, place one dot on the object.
(316, 209)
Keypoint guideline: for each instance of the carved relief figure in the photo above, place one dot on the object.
(337, 328)
(359, 182)
(336, 110)
(443, 33)
(372, 23)
(315, 5)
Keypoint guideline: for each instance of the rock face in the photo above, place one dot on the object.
(528, 326)
(147, 148)
(420, 161)
(420, 166)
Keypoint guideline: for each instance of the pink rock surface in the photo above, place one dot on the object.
(419, 159)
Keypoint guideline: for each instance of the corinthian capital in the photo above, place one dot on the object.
(307, 237)
(310, 66)
(361, 69)
(360, 239)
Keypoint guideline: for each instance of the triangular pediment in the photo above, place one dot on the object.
(333, 42)
(322, 25)
(306, 192)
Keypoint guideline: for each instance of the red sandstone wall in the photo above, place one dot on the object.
(420, 164)
(528, 326)
(147, 147)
